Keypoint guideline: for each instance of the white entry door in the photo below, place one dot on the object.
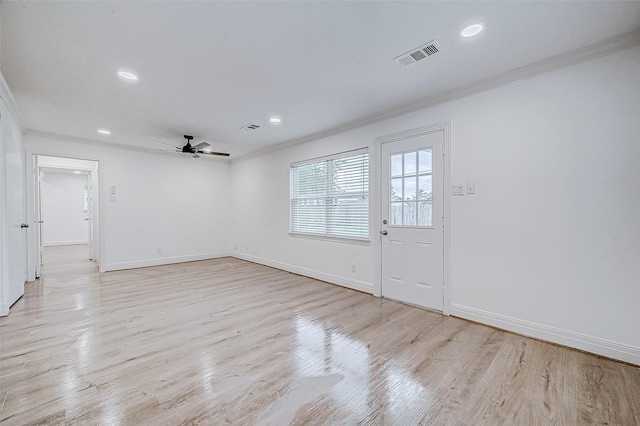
(412, 219)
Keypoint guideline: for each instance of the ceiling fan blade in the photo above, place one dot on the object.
(165, 143)
(201, 146)
(224, 154)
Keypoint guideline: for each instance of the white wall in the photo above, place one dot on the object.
(173, 204)
(63, 213)
(549, 244)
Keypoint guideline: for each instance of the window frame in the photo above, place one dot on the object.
(329, 218)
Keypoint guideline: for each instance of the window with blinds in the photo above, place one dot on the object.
(330, 196)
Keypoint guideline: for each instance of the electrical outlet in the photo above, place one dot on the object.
(353, 268)
(159, 251)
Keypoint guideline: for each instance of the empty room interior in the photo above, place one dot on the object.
(320, 212)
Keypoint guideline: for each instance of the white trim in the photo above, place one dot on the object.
(362, 286)
(30, 190)
(445, 128)
(335, 239)
(563, 60)
(161, 261)
(446, 307)
(568, 338)
(110, 145)
(336, 156)
(4, 310)
(65, 243)
(10, 102)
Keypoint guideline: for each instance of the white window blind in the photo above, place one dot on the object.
(330, 196)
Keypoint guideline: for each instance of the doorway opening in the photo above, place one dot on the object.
(66, 214)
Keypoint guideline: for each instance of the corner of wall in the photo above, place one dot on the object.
(560, 336)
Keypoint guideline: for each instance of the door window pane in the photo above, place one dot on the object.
(424, 213)
(424, 160)
(424, 187)
(410, 188)
(396, 165)
(410, 163)
(409, 217)
(396, 214)
(396, 190)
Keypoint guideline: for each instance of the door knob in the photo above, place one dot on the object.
(384, 232)
(24, 225)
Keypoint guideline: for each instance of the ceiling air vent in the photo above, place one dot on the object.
(418, 54)
(250, 126)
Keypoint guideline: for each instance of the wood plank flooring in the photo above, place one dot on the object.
(226, 341)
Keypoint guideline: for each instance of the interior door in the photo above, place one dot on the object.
(38, 214)
(412, 220)
(89, 218)
(15, 247)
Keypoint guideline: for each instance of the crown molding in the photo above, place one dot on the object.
(10, 102)
(583, 54)
(110, 145)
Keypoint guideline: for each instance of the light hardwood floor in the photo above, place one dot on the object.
(230, 342)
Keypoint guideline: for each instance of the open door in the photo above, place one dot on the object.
(14, 232)
(93, 250)
(38, 213)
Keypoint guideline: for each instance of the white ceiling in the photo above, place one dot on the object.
(209, 68)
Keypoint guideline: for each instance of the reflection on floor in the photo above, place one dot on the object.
(71, 259)
(226, 341)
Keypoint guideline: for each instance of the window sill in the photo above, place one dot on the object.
(360, 241)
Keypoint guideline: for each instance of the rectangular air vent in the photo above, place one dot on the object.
(250, 126)
(418, 54)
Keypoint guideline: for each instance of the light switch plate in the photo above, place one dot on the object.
(458, 189)
(471, 187)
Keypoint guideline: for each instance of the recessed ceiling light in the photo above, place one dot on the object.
(104, 131)
(127, 75)
(472, 30)
(275, 120)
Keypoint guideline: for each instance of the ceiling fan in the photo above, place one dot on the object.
(200, 148)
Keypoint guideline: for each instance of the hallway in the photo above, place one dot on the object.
(67, 260)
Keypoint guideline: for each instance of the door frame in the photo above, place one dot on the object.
(380, 204)
(33, 208)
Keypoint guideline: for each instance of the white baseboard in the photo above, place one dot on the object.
(160, 261)
(362, 286)
(65, 243)
(4, 310)
(552, 334)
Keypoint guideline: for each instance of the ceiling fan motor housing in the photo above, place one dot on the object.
(188, 148)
